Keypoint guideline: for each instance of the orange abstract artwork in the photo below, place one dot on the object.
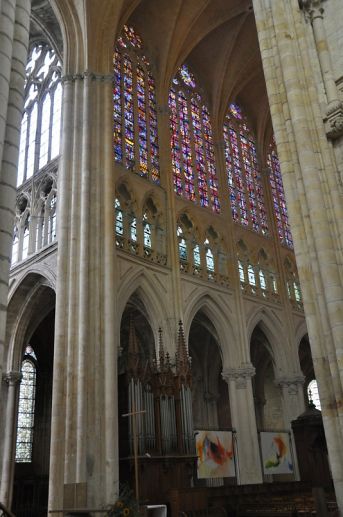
(215, 454)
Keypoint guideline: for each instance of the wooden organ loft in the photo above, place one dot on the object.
(161, 388)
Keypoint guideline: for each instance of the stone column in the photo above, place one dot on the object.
(313, 193)
(244, 423)
(14, 37)
(12, 380)
(171, 220)
(84, 434)
(334, 112)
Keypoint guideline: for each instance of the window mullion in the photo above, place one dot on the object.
(192, 146)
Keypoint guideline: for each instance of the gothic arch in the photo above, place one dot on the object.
(300, 333)
(147, 287)
(226, 334)
(33, 291)
(272, 328)
(70, 26)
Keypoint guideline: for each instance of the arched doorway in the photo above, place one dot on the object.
(34, 358)
(211, 405)
(134, 387)
(267, 395)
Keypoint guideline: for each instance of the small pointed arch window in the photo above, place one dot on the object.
(243, 172)
(251, 275)
(209, 257)
(26, 407)
(146, 232)
(297, 291)
(182, 244)
(313, 394)
(119, 225)
(26, 238)
(135, 135)
(273, 283)
(262, 279)
(241, 271)
(196, 256)
(15, 246)
(41, 121)
(278, 193)
(133, 228)
(52, 202)
(192, 149)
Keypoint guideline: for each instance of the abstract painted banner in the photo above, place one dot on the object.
(215, 454)
(276, 453)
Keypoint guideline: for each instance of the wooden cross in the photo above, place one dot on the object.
(133, 414)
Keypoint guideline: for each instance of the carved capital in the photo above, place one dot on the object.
(291, 383)
(334, 120)
(71, 78)
(313, 9)
(239, 375)
(12, 378)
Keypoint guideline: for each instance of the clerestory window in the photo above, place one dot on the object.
(243, 174)
(192, 149)
(135, 136)
(41, 122)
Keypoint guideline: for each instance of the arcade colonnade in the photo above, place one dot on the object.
(93, 282)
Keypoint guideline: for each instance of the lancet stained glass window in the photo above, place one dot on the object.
(192, 149)
(26, 408)
(135, 136)
(279, 201)
(41, 122)
(243, 175)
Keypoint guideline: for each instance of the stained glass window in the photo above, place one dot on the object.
(209, 260)
(193, 159)
(243, 175)
(262, 279)
(241, 271)
(52, 219)
(279, 201)
(26, 408)
(119, 218)
(251, 275)
(274, 284)
(182, 244)
(313, 394)
(297, 291)
(41, 122)
(135, 137)
(196, 256)
(133, 229)
(146, 232)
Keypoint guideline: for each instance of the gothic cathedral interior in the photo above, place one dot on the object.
(171, 250)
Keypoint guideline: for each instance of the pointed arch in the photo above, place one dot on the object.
(148, 289)
(272, 328)
(226, 333)
(31, 300)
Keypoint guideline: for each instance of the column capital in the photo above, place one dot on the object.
(334, 120)
(12, 378)
(291, 383)
(239, 375)
(312, 8)
(87, 74)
